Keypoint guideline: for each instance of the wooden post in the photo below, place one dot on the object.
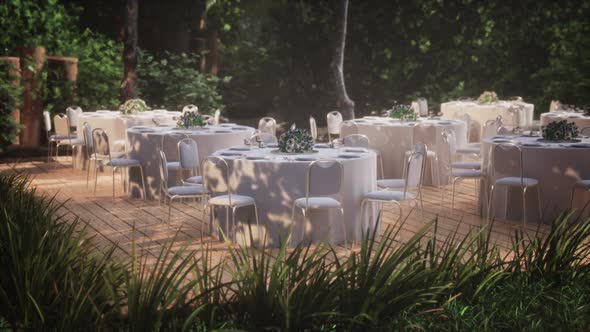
(70, 66)
(343, 102)
(31, 112)
(15, 73)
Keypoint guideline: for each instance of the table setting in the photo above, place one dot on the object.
(514, 112)
(394, 136)
(579, 116)
(557, 157)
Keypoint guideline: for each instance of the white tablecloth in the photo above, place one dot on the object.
(578, 118)
(393, 138)
(276, 181)
(556, 166)
(481, 113)
(115, 124)
(143, 145)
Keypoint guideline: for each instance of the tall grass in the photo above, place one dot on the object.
(52, 279)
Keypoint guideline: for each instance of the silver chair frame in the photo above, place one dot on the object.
(307, 190)
(522, 185)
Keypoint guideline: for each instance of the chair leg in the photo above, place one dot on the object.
(291, 226)
(233, 225)
(363, 202)
(260, 235)
(491, 204)
(170, 207)
(114, 170)
(344, 227)
(453, 195)
(87, 165)
(524, 190)
(381, 164)
(95, 175)
(143, 183)
(48, 152)
(227, 220)
(203, 219)
(303, 211)
(539, 202)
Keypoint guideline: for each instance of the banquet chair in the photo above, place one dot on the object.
(62, 135)
(555, 106)
(73, 112)
(188, 157)
(172, 138)
(509, 180)
(178, 192)
(585, 131)
(216, 116)
(426, 133)
(350, 127)
(414, 165)
(393, 184)
(362, 141)
(102, 154)
(313, 128)
(267, 125)
(504, 131)
(219, 167)
(265, 138)
(334, 120)
(88, 149)
(468, 149)
(324, 179)
(461, 170)
(190, 108)
(581, 184)
(490, 129)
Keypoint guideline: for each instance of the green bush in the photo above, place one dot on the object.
(174, 81)
(10, 99)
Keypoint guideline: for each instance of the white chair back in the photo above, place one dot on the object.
(188, 153)
(101, 146)
(350, 127)
(555, 106)
(506, 161)
(88, 141)
(490, 129)
(356, 141)
(415, 166)
(170, 141)
(73, 113)
(423, 106)
(467, 119)
(265, 138)
(216, 116)
(47, 121)
(449, 139)
(267, 125)
(216, 168)
(313, 128)
(324, 177)
(585, 131)
(334, 122)
(504, 131)
(190, 108)
(61, 125)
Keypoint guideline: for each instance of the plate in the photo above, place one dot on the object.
(445, 122)
(355, 150)
(348, 156)
(222, 131)
(580, 145)
(502, 140)
(272, 145)
(230, 154)
(305, 159)
(293, 154)
(239, 128)
(239, 148)
(575, 140)
(321, 146)
(255, 157)
(531, 144)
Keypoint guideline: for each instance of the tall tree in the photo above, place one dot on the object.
(128, 85)
(343, 102)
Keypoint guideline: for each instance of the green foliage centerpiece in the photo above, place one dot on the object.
(560, 131)
(133, 106)
(403, 112)
(191, 119)
(487, 97)
(296, 140)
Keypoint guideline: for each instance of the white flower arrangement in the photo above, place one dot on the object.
(487, 97)
(296, 140)
(133, 106)
(560, 131)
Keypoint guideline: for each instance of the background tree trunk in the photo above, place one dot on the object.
(128, 85)
(32, 110)
(343, 103)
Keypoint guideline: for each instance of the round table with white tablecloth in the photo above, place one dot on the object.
(143, 145)
(276, 180)
(557, 166)
(393, 139)
(579, 119)
(512, 116)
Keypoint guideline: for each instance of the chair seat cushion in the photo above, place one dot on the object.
(429, 153)
(318, 203)
(194, 179)
(583, 184)
(391, 183)
(466, 165)
(173, 165)
(186, 190)
(467, 173)
(123, 162)
(388, 195)
(516, 181)
(62, 137)
(468, 150)
(236, 200)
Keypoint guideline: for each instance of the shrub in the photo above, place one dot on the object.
(174, 81)
(10, 99)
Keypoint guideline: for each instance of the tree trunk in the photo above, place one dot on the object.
(128, 85)
(344, 104)
(31, 113)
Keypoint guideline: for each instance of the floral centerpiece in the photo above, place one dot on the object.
(560, 131)
(191, 119)
(132, 106)
(487, 97)
(296, 140)
(402, 112)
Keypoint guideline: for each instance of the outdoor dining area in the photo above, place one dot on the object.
(257, 186)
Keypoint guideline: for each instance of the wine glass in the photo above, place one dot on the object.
(259, 141)
(156, 121)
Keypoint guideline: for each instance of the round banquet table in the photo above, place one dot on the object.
(277, 180)
(579, 119)
(480, 113)
(143, 145)
(557, 166)
(393, 138)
